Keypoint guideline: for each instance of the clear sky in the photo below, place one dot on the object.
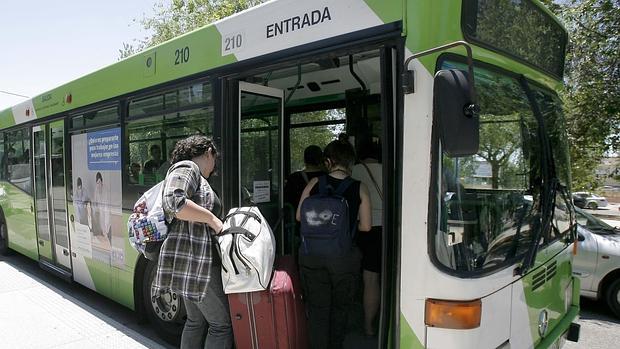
(45, 43)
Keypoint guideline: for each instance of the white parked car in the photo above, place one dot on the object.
(597, 262)
(584, 199)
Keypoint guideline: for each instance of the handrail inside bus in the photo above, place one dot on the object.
(296, 84)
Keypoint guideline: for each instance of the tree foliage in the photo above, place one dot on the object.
(300, 138)
(177, 17)
(592, 95)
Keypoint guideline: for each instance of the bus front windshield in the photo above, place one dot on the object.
(489, 204)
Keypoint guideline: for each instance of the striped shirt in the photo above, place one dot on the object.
(188, 259)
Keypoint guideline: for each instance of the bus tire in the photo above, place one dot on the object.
(613, 297)
(4, 238)
(166, 313)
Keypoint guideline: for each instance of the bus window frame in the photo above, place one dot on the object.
(5, 135)
(132, 191)
(165, 89)
(434, 190)
(465, 18)
(74, 114)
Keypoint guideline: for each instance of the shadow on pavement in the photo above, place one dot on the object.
(596, 310)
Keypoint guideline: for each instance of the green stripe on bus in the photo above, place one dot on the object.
(545, 296)
(387, 11)
(408, 339)
(6, 118)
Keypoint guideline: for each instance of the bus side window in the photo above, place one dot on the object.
(155, 124)
(3, 159)
(18, 167)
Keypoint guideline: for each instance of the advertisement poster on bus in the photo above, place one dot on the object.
(96, 163)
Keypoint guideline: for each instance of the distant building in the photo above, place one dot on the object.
(608, 171)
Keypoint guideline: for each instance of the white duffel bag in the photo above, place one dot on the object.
(248, 248)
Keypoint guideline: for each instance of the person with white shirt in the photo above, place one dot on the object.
(370, 172)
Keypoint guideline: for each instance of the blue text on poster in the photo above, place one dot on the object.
(104, 150)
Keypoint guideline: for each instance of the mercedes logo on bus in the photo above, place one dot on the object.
(543, 322)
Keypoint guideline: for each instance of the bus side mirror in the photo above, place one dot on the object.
(456, 113)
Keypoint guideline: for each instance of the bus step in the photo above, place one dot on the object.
(56, 270)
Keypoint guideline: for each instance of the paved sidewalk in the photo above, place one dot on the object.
(34, 314)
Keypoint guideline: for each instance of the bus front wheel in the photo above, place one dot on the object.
(166, 313)
(613, 297)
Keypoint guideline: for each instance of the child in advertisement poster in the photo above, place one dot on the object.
(82, 202)
(101, 208)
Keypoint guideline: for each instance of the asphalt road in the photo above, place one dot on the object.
(612, 211)
(599, 327)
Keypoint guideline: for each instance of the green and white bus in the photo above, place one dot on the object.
(478, 228)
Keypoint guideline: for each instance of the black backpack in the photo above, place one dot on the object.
(325, 226)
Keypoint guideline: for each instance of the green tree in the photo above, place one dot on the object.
(498, 143)
(300, 138)
(505, 121)
(592, 95)
(177, 17)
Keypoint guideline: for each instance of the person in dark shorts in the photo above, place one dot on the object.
(370, 172)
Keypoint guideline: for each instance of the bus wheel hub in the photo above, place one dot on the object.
(166, 306)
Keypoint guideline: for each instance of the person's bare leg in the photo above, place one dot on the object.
(372, 295)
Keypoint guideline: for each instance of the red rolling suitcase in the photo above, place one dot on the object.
(274, 318)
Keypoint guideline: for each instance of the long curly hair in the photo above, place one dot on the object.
(191, 147)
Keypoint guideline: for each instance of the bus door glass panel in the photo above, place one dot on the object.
(40, 192)
(260, 160)
(58, 193)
